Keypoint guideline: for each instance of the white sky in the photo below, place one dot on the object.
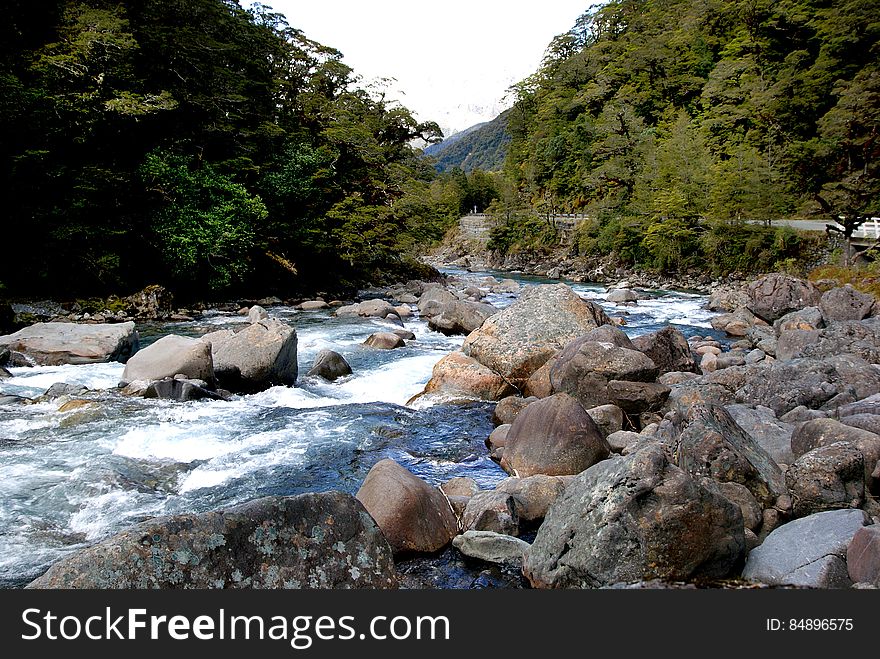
(453, 59)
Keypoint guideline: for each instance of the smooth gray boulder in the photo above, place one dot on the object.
(257, 313)
(433, 300)
(259, 356)
(169, 356)
(771, 434)
(323, 540)
(809, 552)
(491, 547)
(461, 317)
(635, 518)
(54, 344)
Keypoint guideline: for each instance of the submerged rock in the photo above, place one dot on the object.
(323, 540)
(54, 344)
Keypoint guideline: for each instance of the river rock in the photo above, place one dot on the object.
(752, 512)
(259, 356)
(738, 323)
(4, 374)
(791, 344)
(457, 375)
(805, 320)
(771, 434)
(775, 295)
(330, 365)
(845, 303)
(460, 317)
(151, 303)
(323, 540)
(181, 390)
(624, 441)
(518, 340)
(668, 349)
(497, 441)
(492, 511)
(169, 356)
(314, 305)
(782, 386)
(384, 341)
(861, 338)
(609, 334)
(506, 286)
(708, 443)
(554, 436)
(869, 422)
(491, 547)
(414, 516)
(460, 487)
(633, 518)
(54, 344)
(863, 556)
(507, 409)
(257, 313)
(433, 301)
(638, 397)
(539, 385)
(622, 296)
(584, 368)
(822, 432)
(809, 552)
(827, 478)
(727, 298)
(608, 418)
(60, 389)
(534, 495)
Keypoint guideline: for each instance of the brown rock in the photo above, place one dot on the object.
(384, 341)
(414, 516)
(507, 409)
(533, 495)
(554, 436)
(492, 511)
(863, 556)
(459, 375)
(827, 478)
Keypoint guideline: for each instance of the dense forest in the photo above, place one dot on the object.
(203, 146)
(483, 146)
(674, 122)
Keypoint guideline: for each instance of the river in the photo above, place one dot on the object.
(70, 479)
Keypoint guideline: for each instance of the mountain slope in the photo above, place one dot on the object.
(483, 146)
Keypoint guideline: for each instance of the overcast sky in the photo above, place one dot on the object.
(453, 59)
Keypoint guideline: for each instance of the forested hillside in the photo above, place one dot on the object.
(671, 121)
(200, 145)
(482, 147)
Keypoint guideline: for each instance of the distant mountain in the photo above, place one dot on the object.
(483, 146)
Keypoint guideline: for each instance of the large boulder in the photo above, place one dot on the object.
(434, 299)
(807, 319)
(827, 478)
(854, 337)
(457, 375)
(584, 368)
(608, 418)
(823, 432)
(368, 309)
(809, 552)
(845, 303)
(414, 516)
(739, 323)
(708, 443)
(492, 510)
(635, 518)
(517, 341)
(554, 436)
(260, 356)
(768, 432)
(461, 317)
(775, 295)
(169, 356)
(669, 351)
(637, 397)
(323, 540)
(53, 344)
(330, 365)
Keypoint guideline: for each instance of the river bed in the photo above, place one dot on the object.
(70, 479)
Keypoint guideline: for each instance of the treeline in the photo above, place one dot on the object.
(200, 145)
(672, 123)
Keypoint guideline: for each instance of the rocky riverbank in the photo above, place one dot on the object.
(630, 460)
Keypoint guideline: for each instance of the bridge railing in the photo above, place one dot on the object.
(870, 229)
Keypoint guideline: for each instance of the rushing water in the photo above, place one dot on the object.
(70, 479)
